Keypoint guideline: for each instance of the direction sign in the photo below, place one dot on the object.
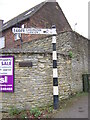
(33, 31)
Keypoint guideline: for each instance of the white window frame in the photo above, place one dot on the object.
(2, 42)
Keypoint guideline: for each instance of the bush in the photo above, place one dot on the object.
(13, 111)
(35, 112)
(50, 109)
(24, 115)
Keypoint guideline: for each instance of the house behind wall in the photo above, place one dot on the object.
(40, 16)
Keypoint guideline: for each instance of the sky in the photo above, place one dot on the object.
(76, 11)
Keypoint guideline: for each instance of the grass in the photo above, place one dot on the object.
(23, 115)
(35, 112)
(13, 111)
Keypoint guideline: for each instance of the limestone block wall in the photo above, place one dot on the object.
(67, 42)
(33, 86)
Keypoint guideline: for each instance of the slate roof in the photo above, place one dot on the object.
(22, 16)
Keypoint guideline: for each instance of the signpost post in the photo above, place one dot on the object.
(55, 73)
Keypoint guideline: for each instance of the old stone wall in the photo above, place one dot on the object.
(34, 85)
(67, 42)
(80, 59)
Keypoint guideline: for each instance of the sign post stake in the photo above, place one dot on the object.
(55, 73)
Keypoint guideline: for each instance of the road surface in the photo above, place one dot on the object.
(77, 109)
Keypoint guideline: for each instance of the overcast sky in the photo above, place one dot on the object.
(76, 11)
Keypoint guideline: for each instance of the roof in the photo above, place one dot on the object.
(22, 16)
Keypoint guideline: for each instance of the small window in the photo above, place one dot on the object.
(17, 36)
(2, 42)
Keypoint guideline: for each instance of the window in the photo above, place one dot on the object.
(17, 36)
(2, 42)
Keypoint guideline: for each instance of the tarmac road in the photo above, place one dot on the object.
(78, 109)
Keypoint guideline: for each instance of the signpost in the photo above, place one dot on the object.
(55, 73)
(33, 31)
(7, 74)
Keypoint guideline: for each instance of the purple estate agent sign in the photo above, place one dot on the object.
(6, 74)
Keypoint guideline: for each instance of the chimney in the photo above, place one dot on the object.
(50, 0)
(1, 24)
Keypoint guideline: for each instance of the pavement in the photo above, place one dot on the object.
(77, 109)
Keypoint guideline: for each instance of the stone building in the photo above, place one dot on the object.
(33, 86)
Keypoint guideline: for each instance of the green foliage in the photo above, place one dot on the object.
(70, 54)
(79, 94)
(14, 111)
(35, 112)
(46, 116)
(24, 115)
(50, 109)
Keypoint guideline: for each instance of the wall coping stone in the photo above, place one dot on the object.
(22, 51)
